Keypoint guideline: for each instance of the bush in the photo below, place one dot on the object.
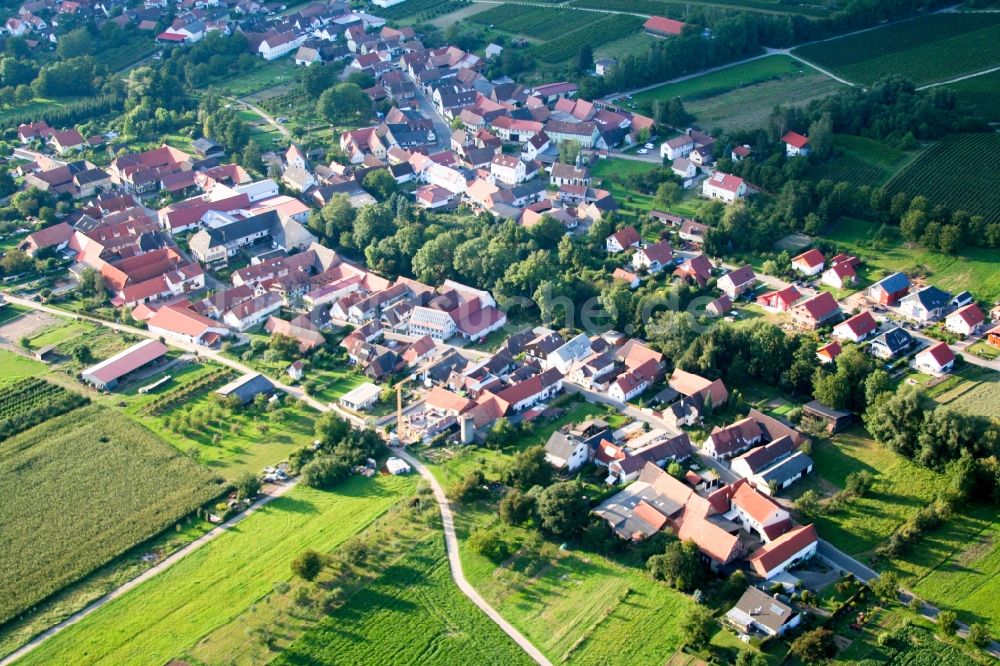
(488, 543)
(324, 472)
(814, 646)
(978, 635)
(517, 507)
(947, 622)
(307, 565)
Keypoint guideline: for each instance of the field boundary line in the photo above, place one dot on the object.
(455, 563)
(960, 78)
(820, 69)
(148, 574)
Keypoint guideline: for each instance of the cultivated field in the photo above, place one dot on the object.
(166, 616)
(16, 367)
(860, 161)
(725, 80)
(925, 50)
(561, 31)
(412, 614)
(749, 107)
(957, 172)
(420, 10)
(974, 390)
(974, 269)
(982, 92)
(30, 401)
(91, 484)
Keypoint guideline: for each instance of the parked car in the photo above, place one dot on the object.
(642, 151)
(649, 146)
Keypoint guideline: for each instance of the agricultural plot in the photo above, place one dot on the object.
(726, 80)
(30, 401)
(973, 390)
(677, 9)
(983, 92)
(166, 616)
(423, 8)
(542, 23)
(91, 484)
(927, 49)
(958, 172)
(749, 107)
(610, 28)
(974, 269)
(859, 161)
(229, 441)
(412, 614)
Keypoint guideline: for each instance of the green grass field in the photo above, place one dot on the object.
(573, 605)
(14, 366)
(90, 485)
(412, 614)
(166, 616)
(975, 269)
(62, 332)
(261, 77)
(9, 312)
(723, 81)
(925, 50)
(901, 489)
(983, 92)
(956, 172)
(860, 161)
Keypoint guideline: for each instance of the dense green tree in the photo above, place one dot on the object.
(516, 507)
(680, 566)
(814, 646)
(307, 565)
(562, 510)
(344, 102)
(247, 485)
(698, 626)
(529, 468)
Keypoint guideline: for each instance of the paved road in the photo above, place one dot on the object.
(442, 129)
(446, 516)
(845, 562)
(153, 571)
(455, 562)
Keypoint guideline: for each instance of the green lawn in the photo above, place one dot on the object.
(264, 75)
(412, 614)
(14, 366)
(901, 489)
(166, 616)
(9, 312)
(62, 332)
(974, 269)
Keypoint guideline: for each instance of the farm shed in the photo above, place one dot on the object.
(247, 387)
(106, 374)
(835, 419)
(397, 466)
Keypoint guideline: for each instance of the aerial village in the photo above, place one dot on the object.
(231, 261)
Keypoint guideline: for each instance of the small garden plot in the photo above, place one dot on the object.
(90, 485)
(412, 614)
(973, 390)
(958, 172)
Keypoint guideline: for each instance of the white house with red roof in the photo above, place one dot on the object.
(433, 197)
(809, 263)
(795, 144)
(965, 321)
(935, 360)
(654, 257)
(816, 311)
(792, 547)
(839, 276)
(828, 352)
(760, 514)
(735, 282)
(184, 324)
(633, 382)
(856, 328)
(622, 240)
(724, 187)
(781, 300)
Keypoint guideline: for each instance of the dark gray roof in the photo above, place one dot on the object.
(786, 468)
(561, 445)
(247, 387)
(931, 298)
(895, 340)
